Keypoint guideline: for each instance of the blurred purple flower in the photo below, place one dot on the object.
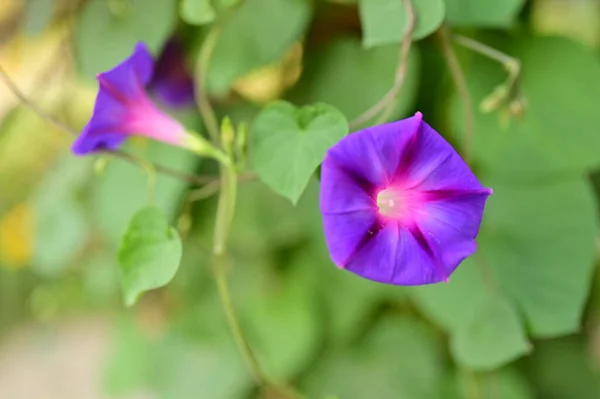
(123, 108)
(399, 204)
(172, 83)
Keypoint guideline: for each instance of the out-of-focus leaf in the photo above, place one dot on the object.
(289, 144)
(60, 226)
(399, 359)
(256, 34)
(285, 325)
(353, 79)
(16, 237)
(149, 255)
(564, 369)
(484, 13)
(38, 15)
(579, 20)
(493, 335)
(519, 258)
(197, 12)
(385, 21)
(106, 35)
(129, 366)
(211, 368)
(505, 383)
(557, 103)
(122, 189)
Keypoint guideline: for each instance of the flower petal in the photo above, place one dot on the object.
(373, 154)
(451, 224)
(341, 193)
(345, 232)
(127, 80)
(431, 163)
(395, 256)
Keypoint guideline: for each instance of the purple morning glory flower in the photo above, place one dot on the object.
(123, 108)
(172, 83)
(399, 204)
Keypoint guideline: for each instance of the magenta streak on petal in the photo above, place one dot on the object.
(415, 230)
(144, 119)
(364, 185)
(368, 236)
(449, 194)
(410, 152)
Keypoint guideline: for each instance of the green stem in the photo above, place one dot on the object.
(510, 63)
(206, 111)
(225, 210)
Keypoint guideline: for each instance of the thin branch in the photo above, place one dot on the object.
(204, 107)
(509, 62)
(460, 82)
(190, 178)
(508, 92)
(12, 86)
(386, 102)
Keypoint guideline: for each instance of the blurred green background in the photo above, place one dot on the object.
(520, 320)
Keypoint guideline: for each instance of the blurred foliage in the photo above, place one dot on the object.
(518, 320)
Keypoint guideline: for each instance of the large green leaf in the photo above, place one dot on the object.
(558, 132)
(505, 383)
(524, 269)
(352, 79)
(564, 369)
(256, 34)
(492, 335)
(289, 143)
(400, 359)
(210, 368)
(149, 255)
(485, 13)
(385, 21)
(285, 324)
(105, 36)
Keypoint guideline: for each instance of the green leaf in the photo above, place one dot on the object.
(207, 368)
(505, 383)
(400, 359)
(484, 13)
(149, 255)
(197, 12)
(274, 317)
(104, 36)
(60, 225)
(130, 361)
(492, 336)
(289, 143)
(38, 15)
(564, 369)
(385, 21)
(520, 259)
(557, 103)
(353, 79)
(121, 189)
(249, 39)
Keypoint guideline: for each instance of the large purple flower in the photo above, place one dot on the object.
(123, 108)
(399, 204)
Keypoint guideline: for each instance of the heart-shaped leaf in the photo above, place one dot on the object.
(289, 144)
(149, 255)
